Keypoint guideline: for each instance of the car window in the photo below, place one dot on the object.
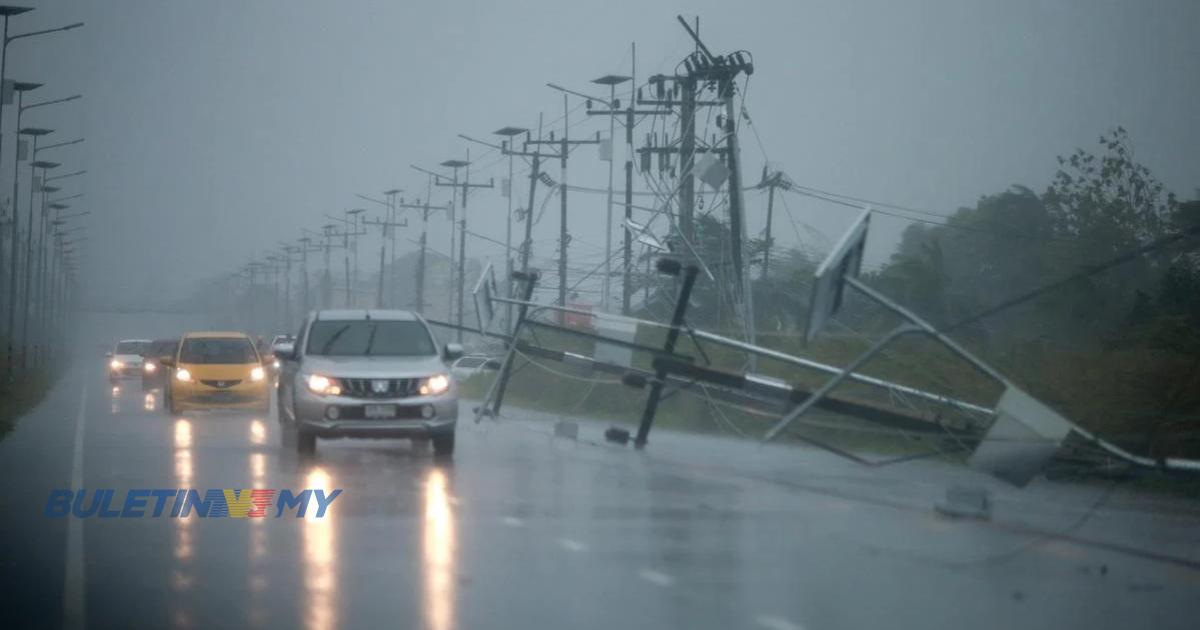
(217, 350)
(369, 337)
(470, 362)
(163, 348)
(131, 347)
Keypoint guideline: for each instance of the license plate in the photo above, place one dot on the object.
(379, 411)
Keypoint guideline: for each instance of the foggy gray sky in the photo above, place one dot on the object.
(215, 128)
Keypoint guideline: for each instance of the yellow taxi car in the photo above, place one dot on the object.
(217, 369)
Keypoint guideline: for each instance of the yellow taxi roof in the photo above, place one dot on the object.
(209, 334)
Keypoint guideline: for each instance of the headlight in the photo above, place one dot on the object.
(276, 364)
(435, 384)
(149, 367)
(115, 364)
(183, 375)
(323, 385)
(256, 373)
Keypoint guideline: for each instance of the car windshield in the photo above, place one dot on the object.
(131, 347)
(370, 337)
(226, 350)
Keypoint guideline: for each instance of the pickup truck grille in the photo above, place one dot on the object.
(380, 387)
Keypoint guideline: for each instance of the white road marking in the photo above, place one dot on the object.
(772, 622)
(572, 545)
(73, 576)
(513, 521)
(656, 578)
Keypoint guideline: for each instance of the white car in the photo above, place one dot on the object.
(473, 364)
(125, 359)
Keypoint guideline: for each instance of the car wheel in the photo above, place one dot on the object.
(443, 444)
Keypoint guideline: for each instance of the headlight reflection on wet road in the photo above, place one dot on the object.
(258, 432)
(438, 553)
(181, 576)
(258, 580)
(320, 560)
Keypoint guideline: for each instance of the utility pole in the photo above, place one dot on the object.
(305, 247)
(614, 111)
(462, 189)
(390, 194)
(419, 283)
(386, 227)
(535, 173)
(771, 181)
(345, 234)
(564, 238)
(703, 69)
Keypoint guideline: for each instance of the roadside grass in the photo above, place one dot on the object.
(20, 395)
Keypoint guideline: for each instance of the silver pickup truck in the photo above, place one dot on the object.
(367, 374)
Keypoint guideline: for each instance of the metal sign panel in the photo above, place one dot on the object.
(618, 328)
(828, 285)
(484, 291)
(1024, 437)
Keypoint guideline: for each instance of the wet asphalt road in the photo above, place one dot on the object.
(523, 530)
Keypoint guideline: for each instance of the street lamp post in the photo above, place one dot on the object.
(41, 338)
(14, 288)
(19, 87)
(28, 288)
(39, 280)
(7, 11)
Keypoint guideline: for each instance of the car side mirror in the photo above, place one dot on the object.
(167, 362)
(285, 352)
(453, 351)
(108, 354)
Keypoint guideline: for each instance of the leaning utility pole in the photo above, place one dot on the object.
(564, 238)
(703, 70)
